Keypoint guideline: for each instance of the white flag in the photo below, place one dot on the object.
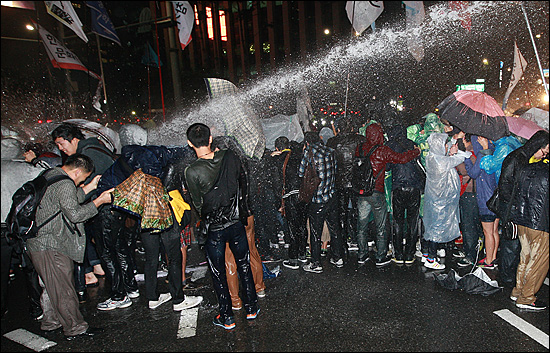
(185, 17)
(61, 57)
(362, 14)
(519, 68)
(64, 12)
(415, 16)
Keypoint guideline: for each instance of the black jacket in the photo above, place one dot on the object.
(512, 166)
(344, 145)
(408, 174)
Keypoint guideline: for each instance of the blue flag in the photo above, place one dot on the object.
(149, 57)
(101, 23)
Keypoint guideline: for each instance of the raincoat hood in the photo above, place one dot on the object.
(537, 141)
(433, 124)
(507, 141)
(437, 143)
(375, 135)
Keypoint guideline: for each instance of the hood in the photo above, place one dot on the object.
(433, 124)
(508, 141)
(375, 135)
(477, 147)
(397, 133)
(437, 142)
(537, 141)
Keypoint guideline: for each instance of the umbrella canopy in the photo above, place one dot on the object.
(537, 115)
(108, 136)
(522, 127)
(476, 282)
(476, 113)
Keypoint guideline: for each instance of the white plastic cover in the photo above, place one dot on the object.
(281, 125)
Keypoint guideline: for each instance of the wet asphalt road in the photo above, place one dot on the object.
(354, 308)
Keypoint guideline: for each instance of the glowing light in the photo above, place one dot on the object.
(485, 62)
(327, 31)
(133, 112)
(545, 98)
(30, 27)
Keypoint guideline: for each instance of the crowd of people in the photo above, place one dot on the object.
(431, 190)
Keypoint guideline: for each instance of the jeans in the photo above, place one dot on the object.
(405, 200)
(470, 225)
(318, 213)
(348, 216)
(115, 233)
(235, 236)
(377, 203)
(172, 244)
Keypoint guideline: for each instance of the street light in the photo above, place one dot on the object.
(485, 61)
(30, 27)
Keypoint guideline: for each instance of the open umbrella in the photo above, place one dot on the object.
(475, 112)
(522, 127)
(476, 282)
(537, 115)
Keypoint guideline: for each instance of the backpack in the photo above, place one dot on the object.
(20, 221)
(362, 178)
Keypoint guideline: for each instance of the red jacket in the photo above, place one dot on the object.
(383, 154)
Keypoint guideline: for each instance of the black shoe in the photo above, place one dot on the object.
(190, 285)
(270, 258)
(398, 259)
(90, 332)
(82, 296)
(537, 305)
(383, 262)
(363, 259)
(409, 259)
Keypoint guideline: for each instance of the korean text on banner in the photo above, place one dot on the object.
(101, 23)
(362, 14)
(64, 12)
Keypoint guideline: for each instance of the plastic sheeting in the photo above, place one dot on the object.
(442, 192)
(281, 125)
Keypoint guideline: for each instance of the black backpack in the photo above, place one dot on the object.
(362, 178)
(21, 224)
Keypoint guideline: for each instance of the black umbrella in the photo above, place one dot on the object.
(476, 282)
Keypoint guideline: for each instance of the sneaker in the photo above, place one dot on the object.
(133, 294)
(464, 262)
(339, 263)
(398, 259)
(253, 315)
(261, 293)
(324, 252)
(302, 258)
(227, 324)
(190, 285)
(424, 257)
(189, 302)
(236, 308)
(383, 262)
(434, 265)
(418, 253)
(363, 259)
(292, 264)
(409, 259)
(353, 247)
(537, 305)
(483, 263)
(163, 298)
(441, 253)
(308, 254)
(270, 258)
(110, 304)
(311, 267)
(513, 298)
(459, 254)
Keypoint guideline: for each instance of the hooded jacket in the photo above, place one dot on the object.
(485, 183)
(382, 155)
(513, 164)
(344, 145)
(407, 174)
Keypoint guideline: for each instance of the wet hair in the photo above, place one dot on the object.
(80, 161)
(282, 143)
(67, 132)
(312, 137)
(199, 135)
(36, 147)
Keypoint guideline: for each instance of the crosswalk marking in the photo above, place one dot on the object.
(29, 340)
(523, 326)
(188, 322)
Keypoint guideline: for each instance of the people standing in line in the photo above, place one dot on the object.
(70, 140)
(530, 212)
(283, 171)
(62, 242)
(485, 187)
(217, 186)
(509, 174)
(376, 202)
(441, 197)
(344, 145)
(324, 204)
(470, 224)
(408, 182)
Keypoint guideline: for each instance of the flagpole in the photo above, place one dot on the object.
(160, 70)
(101, 68)
(347, 81)
(534, 47)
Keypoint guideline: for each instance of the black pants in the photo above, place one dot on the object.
(509, 260)
(348, 216)
(318, 213)
(235, 236)
(405, 228)
(295, 214)
(115, 233)
(172, 245)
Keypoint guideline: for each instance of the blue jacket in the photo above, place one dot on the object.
(485, 183)
(503, 146)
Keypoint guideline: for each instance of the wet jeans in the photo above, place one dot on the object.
(348, 216)
(235, 236)
(318, 213)
(172, 244)
(405, 200)
(470, 225)
(377, 203)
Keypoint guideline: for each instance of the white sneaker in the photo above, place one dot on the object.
(134, 294)
(418, 253)
(434, 265)
(163, 298)
(110, 304)
(189, 302)
(441, 253)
